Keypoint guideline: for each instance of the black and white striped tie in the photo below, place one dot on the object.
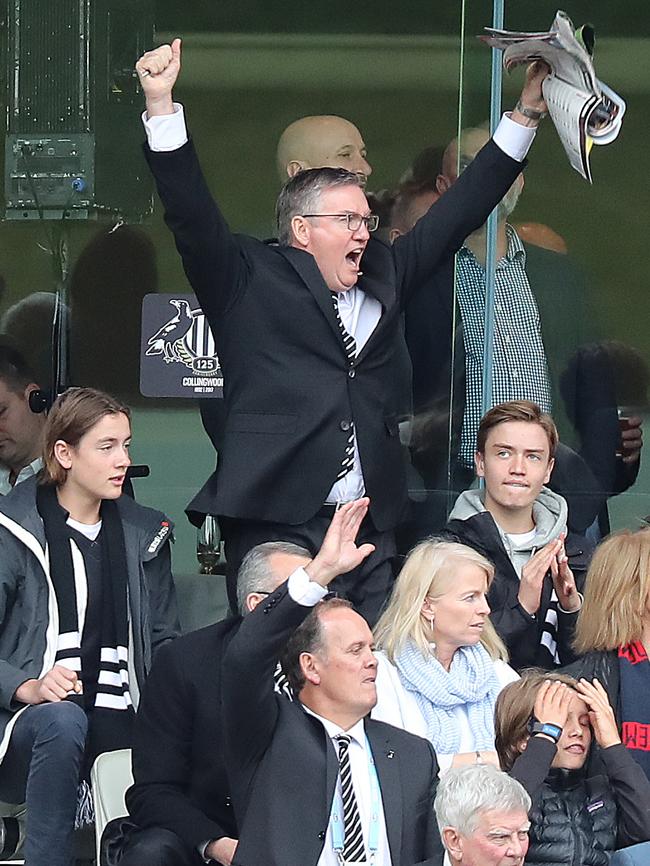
(350, 346)
(353, 848)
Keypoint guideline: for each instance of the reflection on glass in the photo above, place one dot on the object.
(208, 545)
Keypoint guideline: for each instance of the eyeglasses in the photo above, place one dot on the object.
(353, 221)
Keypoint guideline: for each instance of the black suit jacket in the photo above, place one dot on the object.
(283, 767)
(178, 760)
(289, 392)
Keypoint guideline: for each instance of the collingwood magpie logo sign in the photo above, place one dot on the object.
(178, 356)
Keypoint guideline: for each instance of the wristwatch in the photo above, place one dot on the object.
(531, 113)
(547, 728)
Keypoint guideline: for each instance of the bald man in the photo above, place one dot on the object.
(320, 141)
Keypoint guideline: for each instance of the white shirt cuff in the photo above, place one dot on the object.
(513, 138)
(303, 590)
(201, 849)
(166, 131)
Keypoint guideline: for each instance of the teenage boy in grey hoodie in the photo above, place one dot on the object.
(520, 525)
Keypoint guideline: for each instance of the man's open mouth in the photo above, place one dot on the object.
(353, 258)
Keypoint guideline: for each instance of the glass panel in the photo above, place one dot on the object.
(582, 270)
(247, 73)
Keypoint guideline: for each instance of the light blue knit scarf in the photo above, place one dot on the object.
(470, 681)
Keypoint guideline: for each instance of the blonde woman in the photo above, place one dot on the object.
(441, 664)
(613, 634)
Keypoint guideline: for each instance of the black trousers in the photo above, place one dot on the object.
(154, 846)
(368, 587)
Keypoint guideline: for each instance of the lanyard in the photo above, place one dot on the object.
(338, 824)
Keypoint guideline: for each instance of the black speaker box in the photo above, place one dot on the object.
(73, 104)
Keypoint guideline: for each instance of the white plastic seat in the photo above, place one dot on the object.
(10, 810)
(110, 778)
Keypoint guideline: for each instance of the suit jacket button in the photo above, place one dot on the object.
(345, 425)
(321, 835)
(352, 373)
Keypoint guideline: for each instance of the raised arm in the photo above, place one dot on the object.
(466, 205)
(213, 259)
(250, 705)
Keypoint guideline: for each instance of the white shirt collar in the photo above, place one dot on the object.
(357, 732)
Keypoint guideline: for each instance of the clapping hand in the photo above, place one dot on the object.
(339, 553)
(563, 580)
(533, 574)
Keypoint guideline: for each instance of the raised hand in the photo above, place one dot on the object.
(339, 553)
(54, 686)
(533, 573)
(552, 703)
(601, 714)
(158, 71)
(532, 97)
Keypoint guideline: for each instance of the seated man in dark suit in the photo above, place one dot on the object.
(180, 805)
(306, 332)
(315, 782)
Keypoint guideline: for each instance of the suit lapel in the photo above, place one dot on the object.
(307, 269)
(390, 783)
(373, 282)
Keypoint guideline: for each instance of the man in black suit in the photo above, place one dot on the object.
(179, 806)
(306, 333)
(311, 778)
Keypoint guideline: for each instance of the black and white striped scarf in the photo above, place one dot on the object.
(111, 713)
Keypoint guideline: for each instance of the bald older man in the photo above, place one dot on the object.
(321, 141)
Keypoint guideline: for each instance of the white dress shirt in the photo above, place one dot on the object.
(359, 757)
(359, 312)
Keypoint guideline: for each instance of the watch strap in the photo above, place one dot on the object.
(546, 728)
(530, 113)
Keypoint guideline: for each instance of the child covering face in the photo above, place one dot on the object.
(545, 725)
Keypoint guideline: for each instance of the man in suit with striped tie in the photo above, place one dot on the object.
(306, 332)
(315, 782)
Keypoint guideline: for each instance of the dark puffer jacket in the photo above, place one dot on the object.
(577, 819)
(573, 821)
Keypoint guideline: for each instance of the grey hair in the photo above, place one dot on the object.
(301, 194)
(255, 573)
(464, 792)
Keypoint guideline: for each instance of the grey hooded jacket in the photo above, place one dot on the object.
(521, 632)
(28, 612)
